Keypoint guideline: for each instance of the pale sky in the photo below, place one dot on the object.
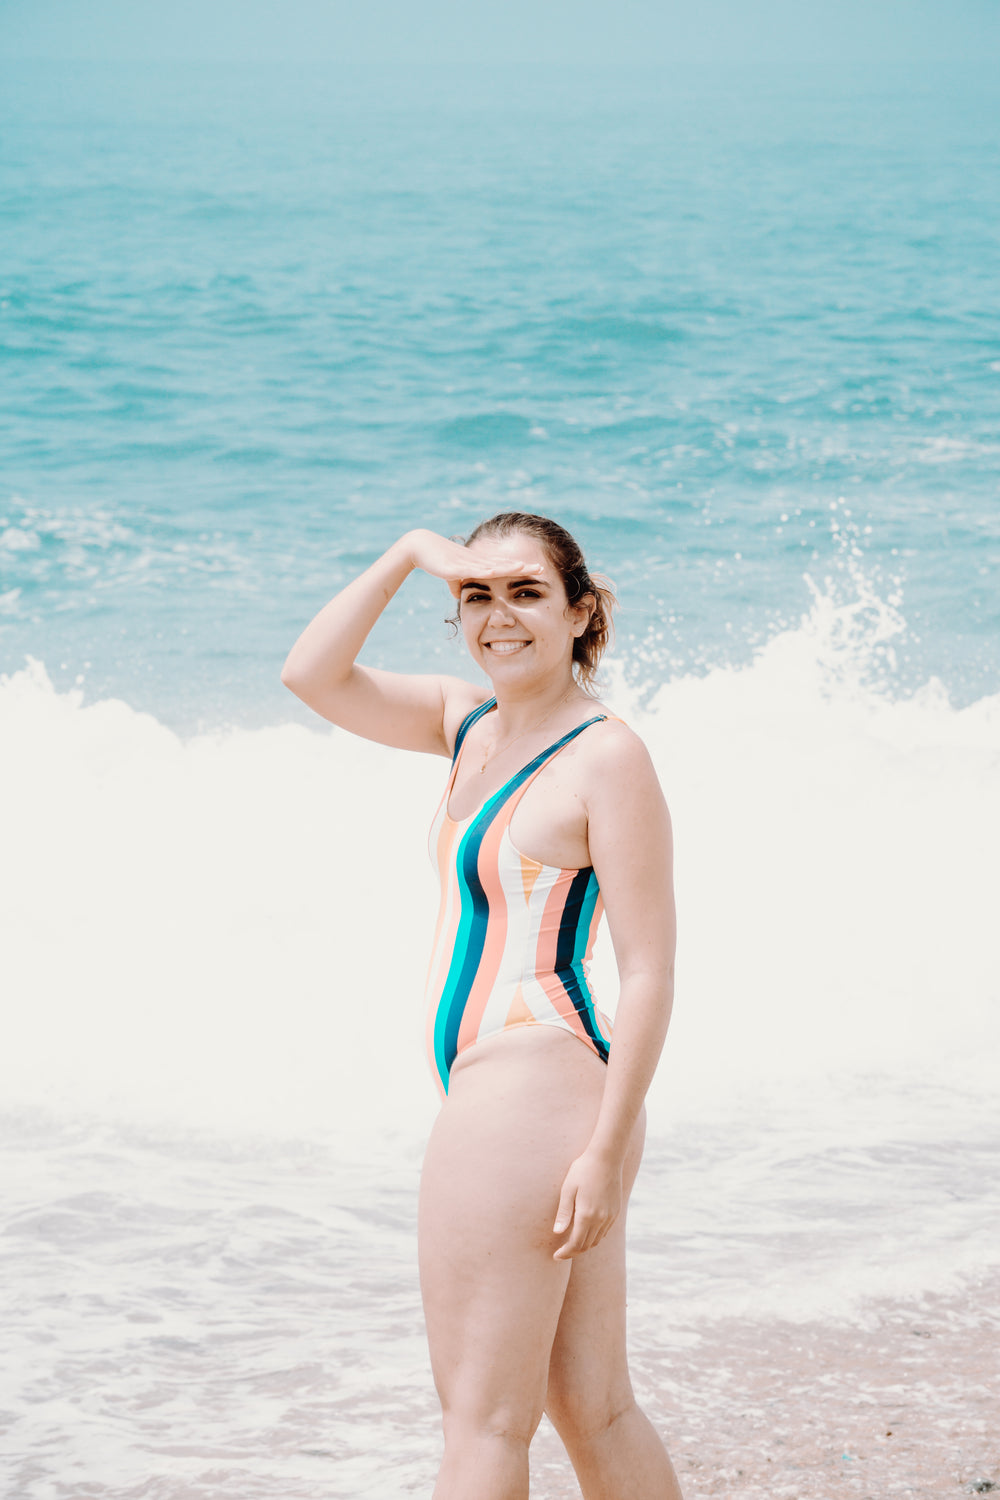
(473, 31)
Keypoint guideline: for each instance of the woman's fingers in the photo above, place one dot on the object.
(471, 566)
(564, 1213)
(567, 1218)
(589, 1203)
(583, 1238)
(586, 1231)
(452, 561)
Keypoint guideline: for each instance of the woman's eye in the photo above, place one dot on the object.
(527, 594)
(475, 598)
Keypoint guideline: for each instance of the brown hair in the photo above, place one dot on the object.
(565, 556)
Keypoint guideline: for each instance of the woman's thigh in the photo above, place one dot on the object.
(517, 1114)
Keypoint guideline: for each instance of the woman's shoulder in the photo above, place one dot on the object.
(614, 749)
(615, 736)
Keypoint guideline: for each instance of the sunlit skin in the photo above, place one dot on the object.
(520, 628)
(533, 1154)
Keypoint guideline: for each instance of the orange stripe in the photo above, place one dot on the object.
(519, 1014)
(530, 871)
(445, 842)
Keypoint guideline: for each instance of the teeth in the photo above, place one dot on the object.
(505, 647)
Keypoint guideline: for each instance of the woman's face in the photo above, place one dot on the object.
(520, 627)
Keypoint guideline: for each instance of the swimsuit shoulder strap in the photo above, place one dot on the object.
(467, 723)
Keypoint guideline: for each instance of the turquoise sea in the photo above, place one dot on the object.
(737, 327)
(740, 330)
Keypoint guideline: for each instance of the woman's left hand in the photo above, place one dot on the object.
(590, 1202)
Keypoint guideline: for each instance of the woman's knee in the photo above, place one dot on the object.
(582, 1415)
(510, 1422)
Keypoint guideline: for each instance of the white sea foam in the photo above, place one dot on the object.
(232, 928)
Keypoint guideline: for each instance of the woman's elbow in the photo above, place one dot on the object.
(295, 679)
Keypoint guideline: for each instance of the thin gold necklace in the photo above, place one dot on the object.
(499, 749)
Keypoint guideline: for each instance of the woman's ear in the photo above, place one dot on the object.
(582, 612)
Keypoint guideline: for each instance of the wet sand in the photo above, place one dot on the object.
(902, 1402)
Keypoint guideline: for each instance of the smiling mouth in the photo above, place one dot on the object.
(505, 648)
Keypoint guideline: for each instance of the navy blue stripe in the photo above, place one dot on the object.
(467, 723)
(571, 977)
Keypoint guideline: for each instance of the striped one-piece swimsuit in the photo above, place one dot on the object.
(514, 937)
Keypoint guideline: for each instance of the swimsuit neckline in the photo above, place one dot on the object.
(533, 765)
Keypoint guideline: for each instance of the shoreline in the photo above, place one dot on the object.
(901, 1403)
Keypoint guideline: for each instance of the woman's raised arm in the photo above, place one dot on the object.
(410, 711)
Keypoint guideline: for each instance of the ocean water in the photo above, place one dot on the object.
(740, 332)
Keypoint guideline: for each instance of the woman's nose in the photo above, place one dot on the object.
(501, 613)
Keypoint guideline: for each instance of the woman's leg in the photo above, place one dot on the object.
(519, 1111)
(613, 1446)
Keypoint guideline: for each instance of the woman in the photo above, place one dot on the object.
(536, 1146)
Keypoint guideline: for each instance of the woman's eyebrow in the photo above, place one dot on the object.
(514, 583)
